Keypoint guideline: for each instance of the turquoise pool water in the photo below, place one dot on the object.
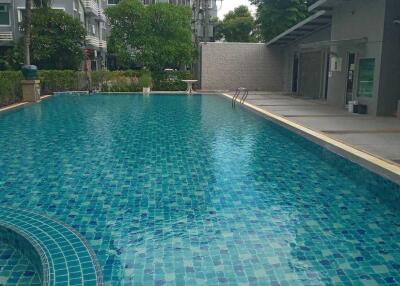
(177, 190)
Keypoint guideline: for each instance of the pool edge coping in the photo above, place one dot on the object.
(372, 162)
(12, 106)
(23, 103)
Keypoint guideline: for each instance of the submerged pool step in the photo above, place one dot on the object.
(66, 257)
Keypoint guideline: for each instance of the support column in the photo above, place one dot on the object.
(31, 90)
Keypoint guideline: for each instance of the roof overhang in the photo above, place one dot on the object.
(315, 22)
(326, 5)
(344, 42)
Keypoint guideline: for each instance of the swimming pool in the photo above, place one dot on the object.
(175, 190)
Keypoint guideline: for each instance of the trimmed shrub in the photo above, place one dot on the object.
(106, 81)
(146, 80)
(60, 80)
(10, 87)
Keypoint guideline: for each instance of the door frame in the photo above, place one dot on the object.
(324, 69)
(347, 67)
(295, 73)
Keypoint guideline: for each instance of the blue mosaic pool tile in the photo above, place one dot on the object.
(61, 255)
(15, 268)
(176, 190)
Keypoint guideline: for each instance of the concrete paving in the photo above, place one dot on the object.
(377, 135)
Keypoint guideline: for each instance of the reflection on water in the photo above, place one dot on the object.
(175, 190)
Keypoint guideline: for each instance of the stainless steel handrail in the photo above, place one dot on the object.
(244, 97)
(235, 97)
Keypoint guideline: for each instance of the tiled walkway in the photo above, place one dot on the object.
(376, 135)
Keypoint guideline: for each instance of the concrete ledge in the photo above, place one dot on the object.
(372, 162)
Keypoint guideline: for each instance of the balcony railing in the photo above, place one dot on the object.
(91, 6)
(103, 44)
(96, 42)
(6, 36)
(92, 41)
(101, 16)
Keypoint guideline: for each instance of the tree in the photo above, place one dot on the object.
(28, 20)
(237, 26)
(56, 40)
(276, 16)
(155, 36)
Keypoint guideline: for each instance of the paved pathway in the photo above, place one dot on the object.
(377, 135)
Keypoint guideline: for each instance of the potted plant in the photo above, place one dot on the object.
(146, 82)
(29, 72)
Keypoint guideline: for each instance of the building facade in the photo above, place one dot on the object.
(89, 12)
(345, 51)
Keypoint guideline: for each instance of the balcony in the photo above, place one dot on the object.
(91, 7)
(103, 44)
(95, 42)
(6, 36)
(92, 41)
(101, 16)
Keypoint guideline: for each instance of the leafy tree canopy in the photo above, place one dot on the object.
(156, 36)
(237, 26)
(275, 16)
(56, 41)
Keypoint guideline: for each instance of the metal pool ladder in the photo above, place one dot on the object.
(240, 91)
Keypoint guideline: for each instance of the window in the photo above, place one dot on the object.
(366, 77)
(113, 2)
(21, 12)
(4, 14)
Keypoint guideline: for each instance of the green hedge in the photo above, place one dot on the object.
(10, 87)
(107, 81)
(64, 80)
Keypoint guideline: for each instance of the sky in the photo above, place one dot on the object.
(228, 5)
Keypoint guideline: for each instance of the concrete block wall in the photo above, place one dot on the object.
(227, 66)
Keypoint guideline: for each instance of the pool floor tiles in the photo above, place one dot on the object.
(15, 268)
(212, 196)
(67, 257)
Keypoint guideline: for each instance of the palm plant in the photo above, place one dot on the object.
(28, 20)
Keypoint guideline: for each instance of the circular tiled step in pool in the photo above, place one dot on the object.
(16, 268)
(57, 253)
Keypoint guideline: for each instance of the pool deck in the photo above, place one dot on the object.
(376, 136)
